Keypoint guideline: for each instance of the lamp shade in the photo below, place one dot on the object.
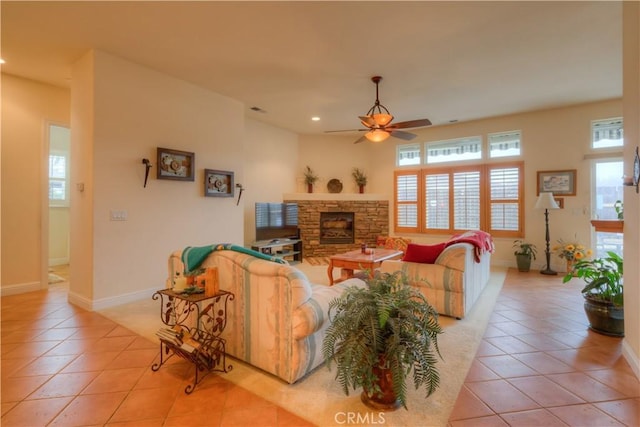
(377, 135)
(546, 201)
(382, 119)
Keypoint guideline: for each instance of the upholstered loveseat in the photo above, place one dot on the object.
(454, 280)
(277, 320)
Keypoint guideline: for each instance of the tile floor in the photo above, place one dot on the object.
(537, 365)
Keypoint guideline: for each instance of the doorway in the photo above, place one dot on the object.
(59, 138)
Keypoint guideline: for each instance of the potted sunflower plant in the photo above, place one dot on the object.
(603, 292)
(378, 336)
(571, 252)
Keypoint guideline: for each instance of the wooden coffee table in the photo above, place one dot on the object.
(356, 260)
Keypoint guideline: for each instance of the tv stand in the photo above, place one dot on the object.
(288, 249)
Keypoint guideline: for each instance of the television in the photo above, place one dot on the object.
(276, 221)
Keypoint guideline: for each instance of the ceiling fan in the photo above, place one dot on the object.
(377, 122)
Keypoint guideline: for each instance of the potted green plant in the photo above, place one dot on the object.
(310, 178)
(619, 207)
(360, 178)
(525, 253)
(603, 293)
(379, 335)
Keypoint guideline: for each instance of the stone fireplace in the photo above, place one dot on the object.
(336, 227)
(369, 213)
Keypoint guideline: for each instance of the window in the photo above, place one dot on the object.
(451, 200)
(454, 150)
(607, 133)
(276, 215)
(406, 197)
(606, 191)
(504, 144)
(408, 155)
(58, 185)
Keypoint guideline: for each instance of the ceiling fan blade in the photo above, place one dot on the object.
(359, 140)
(367, 121)
(407, 136)
(411, 124)
(346, 130)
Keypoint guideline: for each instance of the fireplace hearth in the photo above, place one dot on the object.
(336, 228)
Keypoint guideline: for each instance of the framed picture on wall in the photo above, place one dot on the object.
(560, 183)
(175, 164)
(559, 201)
(218, 183)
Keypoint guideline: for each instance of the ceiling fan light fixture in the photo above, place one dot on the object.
(382, 119)
(377, 135)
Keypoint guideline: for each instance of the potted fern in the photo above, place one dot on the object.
(378, 336)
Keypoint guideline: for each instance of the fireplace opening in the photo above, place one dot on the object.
(336, 227)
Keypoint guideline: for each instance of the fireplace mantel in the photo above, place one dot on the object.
(335, 196)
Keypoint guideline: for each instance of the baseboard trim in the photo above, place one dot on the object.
(20, 288)
(100, 304)
(631, 357)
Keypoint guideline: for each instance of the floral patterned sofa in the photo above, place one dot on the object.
(277, 320)
(453, 274)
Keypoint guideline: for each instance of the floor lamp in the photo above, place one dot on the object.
(546, 202)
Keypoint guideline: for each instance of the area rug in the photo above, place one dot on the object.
(54, 278)
(317, 260)
(319, 398)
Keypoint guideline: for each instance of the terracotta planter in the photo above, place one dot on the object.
(386, 399)
(604, 317)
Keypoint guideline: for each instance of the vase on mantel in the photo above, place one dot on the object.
(361, 188)
(309, 188)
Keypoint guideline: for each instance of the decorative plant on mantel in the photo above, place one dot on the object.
(380, 334)
(360, 178)
(310, 178)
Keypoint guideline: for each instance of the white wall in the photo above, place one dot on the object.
(27, 107)
(631, 107)
(334, 157)
(135, 110)
(270, 168)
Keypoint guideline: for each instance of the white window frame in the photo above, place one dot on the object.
(408, 148)
(509, 138)
(59, 202)
(458, 144)
(614, 124)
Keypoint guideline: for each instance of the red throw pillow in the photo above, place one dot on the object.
(425, 254)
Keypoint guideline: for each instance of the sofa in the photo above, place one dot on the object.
(453, 274)
(277, 319)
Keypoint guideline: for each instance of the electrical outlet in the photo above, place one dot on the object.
(118, 215)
